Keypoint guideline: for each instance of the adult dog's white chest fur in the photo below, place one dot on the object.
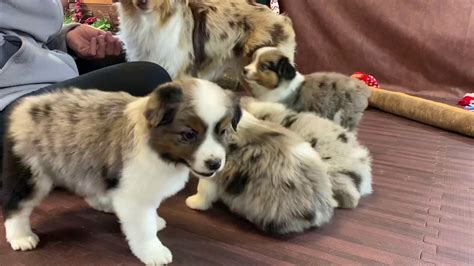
(146, 39)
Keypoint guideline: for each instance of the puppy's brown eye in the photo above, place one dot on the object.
(188, 136)
(264, 67)
(223, 131)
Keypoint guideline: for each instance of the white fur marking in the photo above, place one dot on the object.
(283, 91)
(146, 39)
(210, 101)
(338, 117)
(146, 182)
(211, 107)
(160, 223)
(19, 233)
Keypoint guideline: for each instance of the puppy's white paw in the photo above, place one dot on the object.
(198, 202)
(160, 223)
(155, 254)
(23, 243)
(100, 204)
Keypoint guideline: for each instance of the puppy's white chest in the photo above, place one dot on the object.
(149, 179)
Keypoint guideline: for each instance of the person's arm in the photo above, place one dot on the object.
(8, 47)
(58, 41)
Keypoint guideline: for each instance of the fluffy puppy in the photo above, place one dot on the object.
(123, 154)
(272, 77)
(273, 178)
(349, 163)
(201, 38)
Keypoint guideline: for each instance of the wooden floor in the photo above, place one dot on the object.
(422, 212)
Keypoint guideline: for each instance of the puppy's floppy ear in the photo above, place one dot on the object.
(237, 116)
(163, 104)
(285, 69)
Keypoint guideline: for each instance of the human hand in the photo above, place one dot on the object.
(91, 43)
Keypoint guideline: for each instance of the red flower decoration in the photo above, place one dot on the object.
(91, 20)
(78, 16)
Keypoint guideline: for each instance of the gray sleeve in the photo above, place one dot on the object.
(8, 47)
(58, 41)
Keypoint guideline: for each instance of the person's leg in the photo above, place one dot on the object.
(136, 78)
(87, 65)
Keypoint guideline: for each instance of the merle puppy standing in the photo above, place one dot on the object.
(123, 154)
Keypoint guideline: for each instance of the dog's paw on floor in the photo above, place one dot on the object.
(197, 202)
(154, 253)
(25, 242)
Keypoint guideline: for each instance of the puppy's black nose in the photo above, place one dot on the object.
(142, 4)
(245, 71)
(213, 165)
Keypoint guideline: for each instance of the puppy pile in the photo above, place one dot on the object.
(284, 161)
(348, 162)
(288, 171)
(273, 177)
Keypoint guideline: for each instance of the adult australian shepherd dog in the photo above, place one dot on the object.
(201, 38)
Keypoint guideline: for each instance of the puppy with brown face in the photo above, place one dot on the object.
(123, 154)
(272, 77)
(201, 38)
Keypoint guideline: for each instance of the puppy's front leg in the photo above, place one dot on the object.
(160, 223)
(139, 224)
(205, 196)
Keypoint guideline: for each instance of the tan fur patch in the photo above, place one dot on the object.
(168, 140)
(265, 74)
(162, 8)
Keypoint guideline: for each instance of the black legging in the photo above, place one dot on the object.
(136, 78)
